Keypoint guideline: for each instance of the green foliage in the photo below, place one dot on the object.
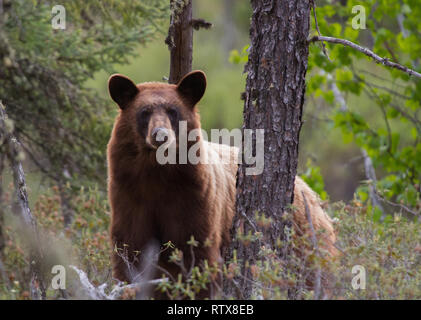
(239, 57)
(391, 136)
(314, 179)
(64, 126)
(390, 252)
(84, 244)
(397, 158)
(44, 83)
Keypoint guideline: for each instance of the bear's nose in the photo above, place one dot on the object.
(159, 136)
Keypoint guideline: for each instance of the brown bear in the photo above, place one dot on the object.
(153, 202)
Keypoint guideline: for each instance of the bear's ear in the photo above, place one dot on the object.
(122, 89)
(192, 86)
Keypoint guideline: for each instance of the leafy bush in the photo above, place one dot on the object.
(63, 125)
(390, 252)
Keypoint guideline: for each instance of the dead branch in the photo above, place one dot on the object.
(313, 4)
(201, 24)
(367, 52)
(98, 293)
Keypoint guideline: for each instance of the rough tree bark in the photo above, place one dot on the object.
(274, 100)
(180, 39)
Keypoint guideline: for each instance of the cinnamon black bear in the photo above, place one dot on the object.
(172, 202)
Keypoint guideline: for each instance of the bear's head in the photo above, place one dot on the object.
(151, 111)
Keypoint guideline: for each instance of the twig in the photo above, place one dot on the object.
(200, 24)
(193, 261)
(399, 205)
(389, 49)
(317, 285)
(391, 91)
(250, 222)
(373, 95)
(378, 77)
(367, 52)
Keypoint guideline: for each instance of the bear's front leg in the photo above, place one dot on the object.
(130, 243)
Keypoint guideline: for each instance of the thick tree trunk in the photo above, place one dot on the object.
(274, 100)
(180, 39)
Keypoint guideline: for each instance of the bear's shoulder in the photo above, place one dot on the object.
(224, 154)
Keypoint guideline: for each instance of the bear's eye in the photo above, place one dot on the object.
(142, 118)
(172, 114)
(145, 113)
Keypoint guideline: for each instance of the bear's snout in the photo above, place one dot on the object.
(159, 136)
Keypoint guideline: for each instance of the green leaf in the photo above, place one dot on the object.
(377, 214)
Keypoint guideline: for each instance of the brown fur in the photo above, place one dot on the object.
(166, 203)
(151, 202)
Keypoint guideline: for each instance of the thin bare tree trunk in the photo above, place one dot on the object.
(370, 172)
(180, 39)
(274, 100)
(2, 161)
(21, 207)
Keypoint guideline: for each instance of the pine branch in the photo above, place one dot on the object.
(367, 52)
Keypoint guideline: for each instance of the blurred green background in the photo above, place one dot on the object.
(321, 142)
(109, 39)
